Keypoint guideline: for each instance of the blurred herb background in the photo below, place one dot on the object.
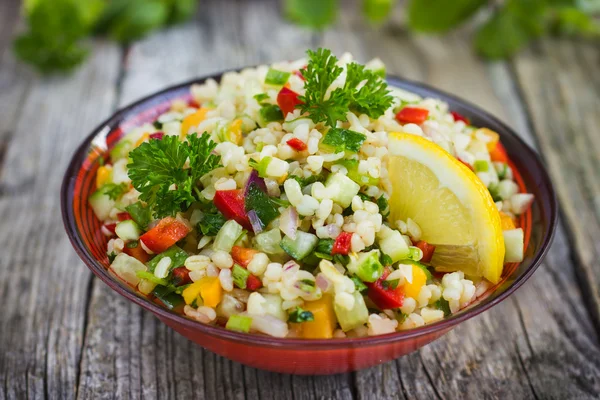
(55, 39)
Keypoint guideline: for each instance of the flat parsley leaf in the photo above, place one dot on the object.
(344, 139)
(300, 315)
(159, 164)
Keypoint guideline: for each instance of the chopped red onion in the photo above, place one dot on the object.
(157, 135)
(257, 226)
(257, 180)
(288, 222)
(322, 282)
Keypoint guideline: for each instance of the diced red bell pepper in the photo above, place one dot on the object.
(242, 255)
(466, 164)
(111, 228)
(296, 144)
(499, 153)
(182, 276)
(342, 244)
(385, 298)
(427, 250)
(287, 100)
(232, 206)
(138, 253)
(460, 117)
(253, 283)
(123, 216)
(193, 103)
(164, 235)
(412, 115)
(157, 135)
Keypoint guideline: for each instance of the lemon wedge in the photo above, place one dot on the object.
(453, 208)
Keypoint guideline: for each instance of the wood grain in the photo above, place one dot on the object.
(67, 335)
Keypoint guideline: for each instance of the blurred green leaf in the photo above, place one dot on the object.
(377, 10)
(180, 10)
(128, 20)
(573, 22)
(312, 13)
(440, 15)
(501, 36)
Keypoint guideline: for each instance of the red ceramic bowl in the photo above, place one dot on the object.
(299, 356)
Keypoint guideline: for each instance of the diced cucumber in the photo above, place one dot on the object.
(300, 247)
(363, 180)
(268, 242)
(121, 149)
(357, 316)
(341, 188)
(394, 246)
(126, 268)
(227, 236)
(128, 230)
(240, 276)
(367, 266)
(514, 242)
(101, 203)
(507, 188)
(276, 77)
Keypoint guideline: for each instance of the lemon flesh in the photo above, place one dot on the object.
(453, 208)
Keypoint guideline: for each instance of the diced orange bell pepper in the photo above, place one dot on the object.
(103, 175)
(211, 291)
(242, 255)
(165, 234)
(506, 222)
(419, 279)
(324, 319)
(499, 153)
(235, 131)
(193, 120)
(138, 253)
(488, 136)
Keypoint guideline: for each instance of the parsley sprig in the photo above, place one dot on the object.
(159, 164)
(363, 91)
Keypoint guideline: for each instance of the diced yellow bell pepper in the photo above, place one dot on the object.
(191, 292)
(142, 139)
(325, 321)
(193, 120)
(103, 175)
(488, 136)
(235, 131)
(506, 222)
(419, 279)
(211, 291)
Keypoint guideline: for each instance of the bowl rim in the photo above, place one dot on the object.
(307, 344)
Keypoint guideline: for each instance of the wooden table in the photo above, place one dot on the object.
(63, 333)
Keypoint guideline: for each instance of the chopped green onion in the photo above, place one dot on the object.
(344, 139)
(415, 253)
(324, 256)
(481, 166)
(261, 166)
(442, 304)
(260, 97)
(307, 285)
(239, 323)
(149, 276)
(276, 77)
(300, 315)
(240, 276)
(270, 113)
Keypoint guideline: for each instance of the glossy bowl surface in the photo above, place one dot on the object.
(296, 355)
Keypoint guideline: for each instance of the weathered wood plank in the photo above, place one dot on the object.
(43, 284)
(561, 87)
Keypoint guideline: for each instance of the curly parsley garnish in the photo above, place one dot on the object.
(364, 91)
(157, 171)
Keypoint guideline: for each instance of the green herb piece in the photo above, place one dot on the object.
(158, 164)
(211, 222)
(303, 182)
(261, 203)
(358, 284)
(368, 93)
(149, 276)
(385, 260)
(401, 317)
(361, 179)
(481, 166)
(111, 257)
(280, 202)
(276, 77)
(128, 20)
(261, 97)
(240, 276)
(270, 113)
(167, 295)
(114, 190)
(157, 124)
(390, 285)
(132, 245)
(306, 285)
(442, 304)
(323, 256)
(261, 166)
(494, 191)
(177, 256)
(316, 14)
(239, 323)
(140, 214)
(344, 140)
(383, 205)
(440, 15)
(341, 259)
(503, 172)
(325, 246)
(299, 315)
